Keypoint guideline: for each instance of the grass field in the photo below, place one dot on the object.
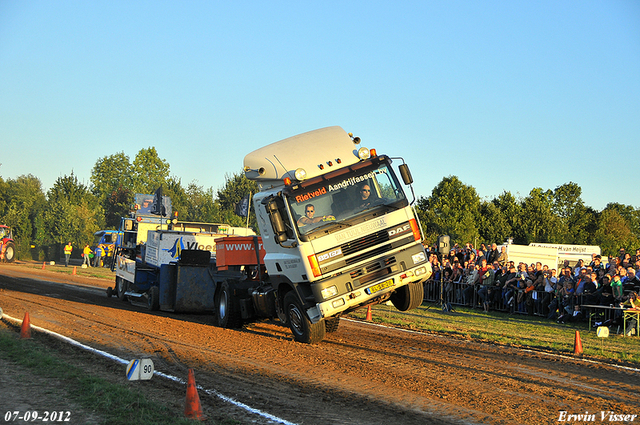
(523, 331)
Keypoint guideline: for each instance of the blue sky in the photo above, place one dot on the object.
(506, 95)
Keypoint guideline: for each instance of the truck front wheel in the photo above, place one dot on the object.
(228, 314)
(301, 327)
(408, 296)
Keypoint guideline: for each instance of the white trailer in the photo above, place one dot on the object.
(532, 254)
(572, 253)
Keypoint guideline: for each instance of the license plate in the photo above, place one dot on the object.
(379, 287)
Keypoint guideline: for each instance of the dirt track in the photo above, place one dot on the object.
(361, 374)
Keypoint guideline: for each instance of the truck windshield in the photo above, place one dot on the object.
(97, 238)
(343, 198)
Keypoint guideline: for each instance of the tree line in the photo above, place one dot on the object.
(72, 211)
(544, 216)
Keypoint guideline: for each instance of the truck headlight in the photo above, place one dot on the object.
(418, 258)
(329, 292)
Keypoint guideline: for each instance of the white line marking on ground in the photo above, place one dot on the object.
(160, 374)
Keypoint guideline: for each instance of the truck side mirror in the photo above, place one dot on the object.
(406, 174)
(277, 223)
(128, 225)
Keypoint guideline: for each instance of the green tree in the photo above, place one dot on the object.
(201, 205)
(539, 224)
(574, 221)
(630, 215)
(116, 180)
(613, 232)
(112, 180)
(236, 187)
(150, 171)
(73, 214)
(452, 209)
(24, 201)
(117, 205)
(511, 210)
(494, 226)
(179, 197)
(4, 194)
(68, 188)
(589, 221)
(110, 173)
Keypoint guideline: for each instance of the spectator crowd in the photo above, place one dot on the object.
(485, 278)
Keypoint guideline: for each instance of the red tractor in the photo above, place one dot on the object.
(7, 246)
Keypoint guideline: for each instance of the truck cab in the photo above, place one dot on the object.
(337, 227)
(106, 240)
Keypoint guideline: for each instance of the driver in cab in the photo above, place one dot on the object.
(308, 218)
(365, 196)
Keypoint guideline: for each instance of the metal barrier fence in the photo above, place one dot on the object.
(538, 303)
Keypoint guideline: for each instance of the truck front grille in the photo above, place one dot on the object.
(365, 242)
(373, 271)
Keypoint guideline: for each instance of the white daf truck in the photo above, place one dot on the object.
(337, 229)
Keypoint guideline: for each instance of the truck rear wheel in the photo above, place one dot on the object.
(121, 288)
(301, 327)
(153, 299)
(408, 296)
(331, 324)
(228, 313)
(10, 252)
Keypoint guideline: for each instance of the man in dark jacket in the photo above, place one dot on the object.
(493, 254)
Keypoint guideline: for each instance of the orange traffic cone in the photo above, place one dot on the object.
(577, 345)
(44, 264)
(368, 318)
(25, 330)
(192, 409)
(74, 270)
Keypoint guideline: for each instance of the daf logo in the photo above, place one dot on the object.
(399, 230)
(330, 254)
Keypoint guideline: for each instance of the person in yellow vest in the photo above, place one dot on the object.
(67, 253)
(86, 253)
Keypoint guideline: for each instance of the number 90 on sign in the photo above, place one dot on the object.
(140, 369)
